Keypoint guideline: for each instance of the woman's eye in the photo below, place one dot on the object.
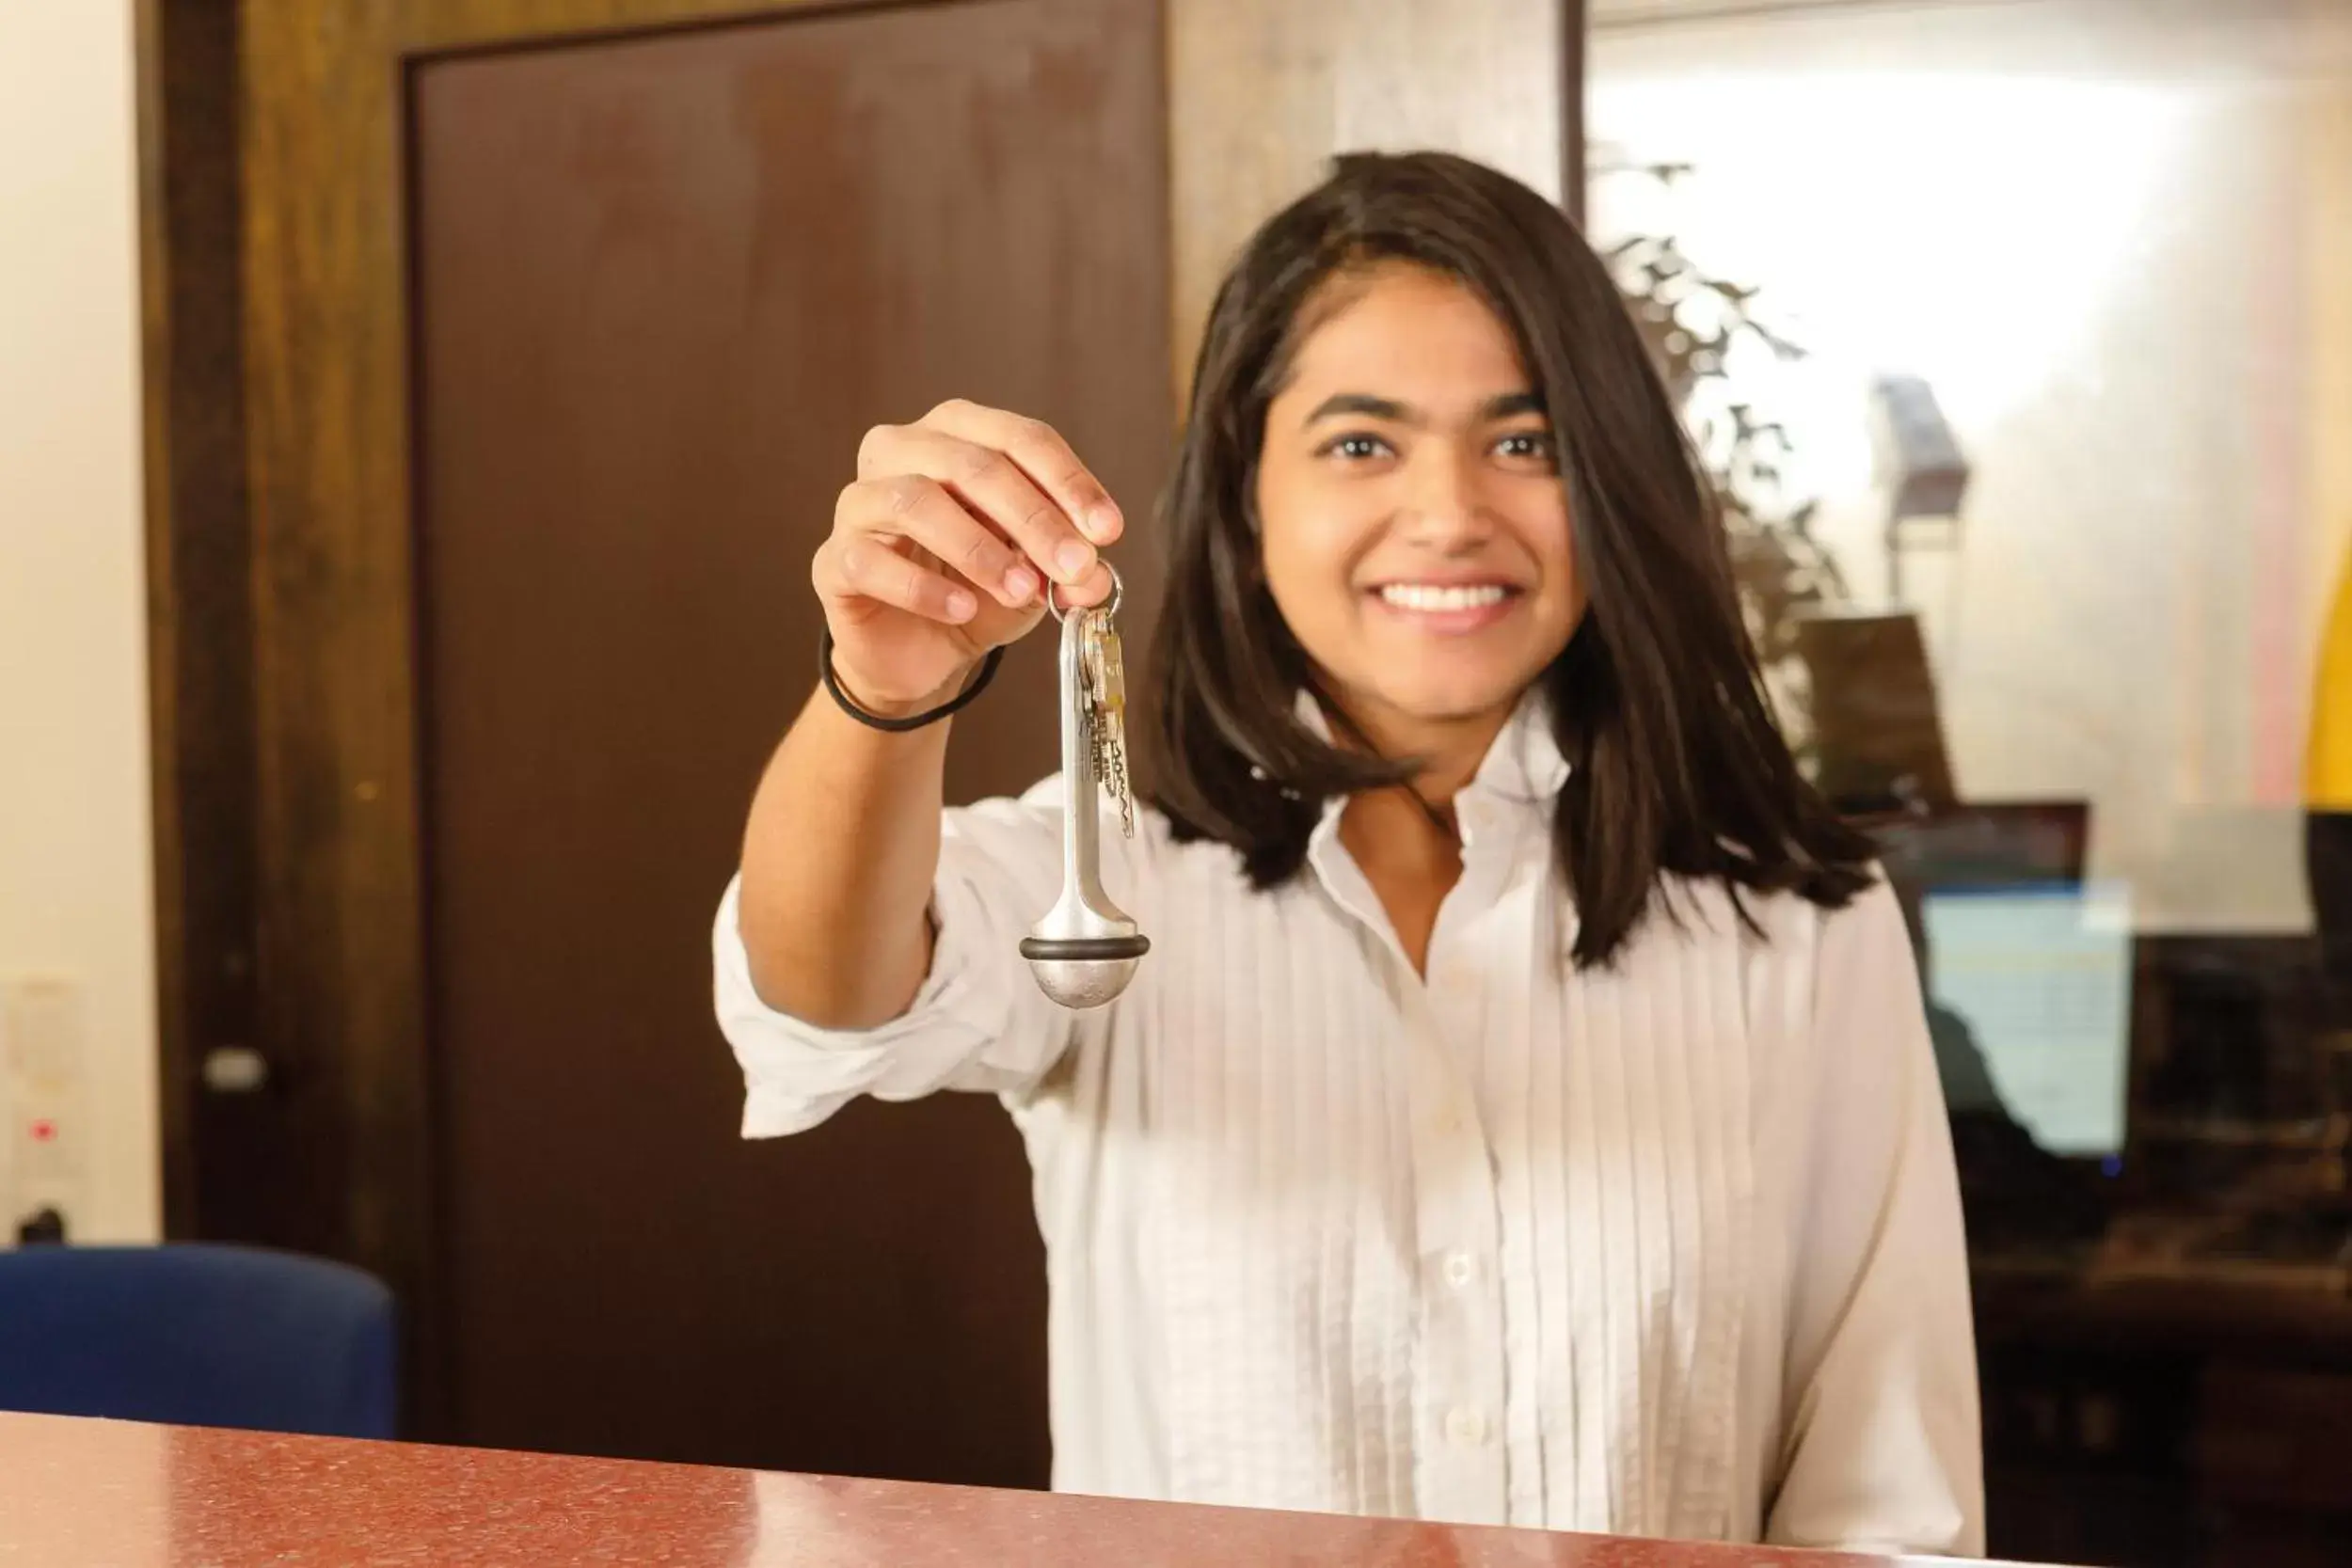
(1527, 445)
(1356, 447)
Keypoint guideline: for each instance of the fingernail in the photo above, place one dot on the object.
(1102, 521)
(961, 605)
(1074, 559)
(1020, 583)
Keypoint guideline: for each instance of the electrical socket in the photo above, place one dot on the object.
(45, 1114)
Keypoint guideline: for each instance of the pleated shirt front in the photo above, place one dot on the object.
(1667, 1248)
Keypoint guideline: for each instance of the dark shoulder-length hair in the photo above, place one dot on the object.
(1658, 704)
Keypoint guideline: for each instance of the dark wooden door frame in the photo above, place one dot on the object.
(283, 638)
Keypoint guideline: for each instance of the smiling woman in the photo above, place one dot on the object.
(1527, 1115)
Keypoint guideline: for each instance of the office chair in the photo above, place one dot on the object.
(198, 1335)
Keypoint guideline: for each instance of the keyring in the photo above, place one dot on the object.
(1118, 588)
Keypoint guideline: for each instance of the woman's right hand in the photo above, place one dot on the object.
(942, 547)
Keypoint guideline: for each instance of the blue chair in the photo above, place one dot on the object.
(198, 1335)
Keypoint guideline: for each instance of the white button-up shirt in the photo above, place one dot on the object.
(1668, 1248)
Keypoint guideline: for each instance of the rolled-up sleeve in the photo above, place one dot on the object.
(979, 1022)
(1883, 1447)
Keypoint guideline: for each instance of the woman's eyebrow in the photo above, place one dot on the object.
(1510, 404)
(1365, 405)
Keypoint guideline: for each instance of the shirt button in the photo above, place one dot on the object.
(1460, 1269)
(1466, 1428)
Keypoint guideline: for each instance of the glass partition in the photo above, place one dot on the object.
(2019, 335)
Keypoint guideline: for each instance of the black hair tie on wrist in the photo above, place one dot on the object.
(913, 721)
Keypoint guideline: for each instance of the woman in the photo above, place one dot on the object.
(1525, 1112)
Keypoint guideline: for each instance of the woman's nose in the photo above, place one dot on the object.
(1444, 503)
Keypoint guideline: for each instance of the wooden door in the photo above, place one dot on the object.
(504, 357)
(661, 287)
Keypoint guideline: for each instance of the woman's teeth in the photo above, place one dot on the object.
(1429, 597)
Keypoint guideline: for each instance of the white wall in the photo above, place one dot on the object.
(1263, 92)
(75, 900)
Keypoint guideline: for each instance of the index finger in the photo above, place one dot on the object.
(1044, 455)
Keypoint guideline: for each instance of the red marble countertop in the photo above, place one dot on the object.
(76, 1493)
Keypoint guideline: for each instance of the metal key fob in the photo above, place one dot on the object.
(1084, 950)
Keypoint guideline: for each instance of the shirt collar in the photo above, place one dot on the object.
(1521, 773)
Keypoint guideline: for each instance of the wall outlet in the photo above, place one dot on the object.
(46, 1122)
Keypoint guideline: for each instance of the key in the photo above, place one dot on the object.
(1090, 660)
(1114, 755)
(1110, 666)
(1089, 719)
(1088, 698)
(1106, 674)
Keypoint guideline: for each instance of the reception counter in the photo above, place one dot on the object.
(76, 1493)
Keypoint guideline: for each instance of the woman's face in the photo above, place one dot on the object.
(1414, 527)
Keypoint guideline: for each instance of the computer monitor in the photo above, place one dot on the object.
(2026, 964)
(2041, 979)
